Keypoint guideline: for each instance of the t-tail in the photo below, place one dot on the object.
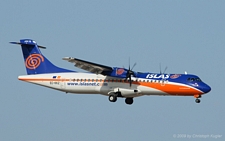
(35, 62)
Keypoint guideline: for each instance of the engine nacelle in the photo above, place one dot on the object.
(128, 92)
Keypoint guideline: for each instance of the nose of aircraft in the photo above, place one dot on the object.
(206, 88)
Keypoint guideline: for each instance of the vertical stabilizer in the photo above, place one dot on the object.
(35, 62)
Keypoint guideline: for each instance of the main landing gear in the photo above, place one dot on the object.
(113, 98)
(197, 100)
(129, 101)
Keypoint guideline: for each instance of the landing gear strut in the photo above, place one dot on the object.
(129, 101)
(113, 98)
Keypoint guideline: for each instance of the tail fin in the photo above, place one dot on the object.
(35, 62)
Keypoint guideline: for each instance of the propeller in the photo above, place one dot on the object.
(130, 72)
(163, 73)
(161, 69)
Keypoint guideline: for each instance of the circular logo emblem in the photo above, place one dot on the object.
(175, 76)
(33, 61)
(119, 71)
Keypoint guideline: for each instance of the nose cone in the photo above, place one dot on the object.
(206, 88)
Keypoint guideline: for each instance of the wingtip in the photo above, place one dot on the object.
(67, 58)
(14, 42)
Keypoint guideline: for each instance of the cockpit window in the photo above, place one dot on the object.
(198, 79)
(194, 79)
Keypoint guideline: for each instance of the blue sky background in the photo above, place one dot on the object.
(183, 35)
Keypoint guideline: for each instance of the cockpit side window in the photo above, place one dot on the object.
(194, 79)
(198, 79)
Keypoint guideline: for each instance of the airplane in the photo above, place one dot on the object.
(114, 82)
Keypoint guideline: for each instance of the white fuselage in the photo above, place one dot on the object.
(88, 83)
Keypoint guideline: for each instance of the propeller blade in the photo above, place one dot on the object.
(165, 70)
(130, 81)
(130, 72)
(134, 66)
(160, 68)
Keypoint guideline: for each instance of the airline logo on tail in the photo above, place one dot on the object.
(33, 61)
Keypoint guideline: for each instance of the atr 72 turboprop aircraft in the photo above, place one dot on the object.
(113, 82)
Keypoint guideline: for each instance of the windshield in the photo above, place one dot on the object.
(194, 79)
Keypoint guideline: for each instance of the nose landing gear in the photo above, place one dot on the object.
(197, 100)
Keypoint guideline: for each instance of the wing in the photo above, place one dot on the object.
(89, 66)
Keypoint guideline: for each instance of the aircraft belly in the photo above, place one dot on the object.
(103, 90)
(47, 84)
(81, 89)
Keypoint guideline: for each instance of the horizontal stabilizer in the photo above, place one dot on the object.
(28, 43)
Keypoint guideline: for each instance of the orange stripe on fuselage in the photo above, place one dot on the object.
(172, 89)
